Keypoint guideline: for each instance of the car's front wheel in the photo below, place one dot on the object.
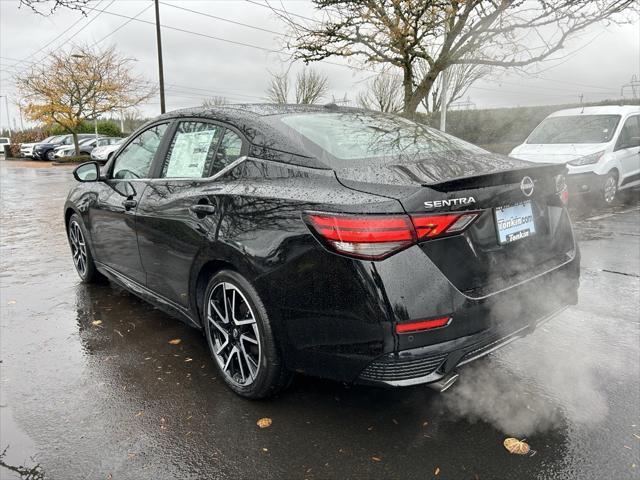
(50, 155)
(609, 188)
(241, 338)
(80, 250)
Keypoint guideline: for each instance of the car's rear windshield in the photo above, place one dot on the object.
(575, 129)
(345, 139)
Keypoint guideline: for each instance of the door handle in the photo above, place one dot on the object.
(129, 204)
(203, 209)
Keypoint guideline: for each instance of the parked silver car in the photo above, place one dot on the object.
(102, 153)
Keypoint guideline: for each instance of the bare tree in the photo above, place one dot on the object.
(278, 90)
(45, 7)
(403, 33)
(215, 101)
(461, 78)
(70, 88)
(311, 86)
(383, 93)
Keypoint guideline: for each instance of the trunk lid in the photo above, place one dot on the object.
(476, 262)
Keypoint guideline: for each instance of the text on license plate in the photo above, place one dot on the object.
(514, 222)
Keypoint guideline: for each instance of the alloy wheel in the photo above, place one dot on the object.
(78, 248)
(610, 189)
(234, 334)
(51, 155)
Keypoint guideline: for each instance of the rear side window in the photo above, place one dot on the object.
(229, 151)
(192, 150)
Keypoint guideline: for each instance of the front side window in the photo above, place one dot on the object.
(192, 150)
(575, 129)
(135, 159)
(630, 133)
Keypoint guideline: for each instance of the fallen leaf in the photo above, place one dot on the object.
(95, 323)
(515, 446)
(175, 341)
(188, 359)
(118, 332)
(376, 459)
(139, 413)
(264, 422)
(437, 472)
(425, 424)
(265, 449)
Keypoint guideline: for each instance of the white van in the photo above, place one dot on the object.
(600, 145)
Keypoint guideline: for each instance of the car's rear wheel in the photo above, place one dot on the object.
(241, 338)
(609, 189)
(80, 250)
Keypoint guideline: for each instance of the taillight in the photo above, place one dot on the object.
(375, 237)
(363, 236)
(432, 226)
(561, 188)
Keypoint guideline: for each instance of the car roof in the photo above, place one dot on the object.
(253, 110)
(257, 122)
(600, 110)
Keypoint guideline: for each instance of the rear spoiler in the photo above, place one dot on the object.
(501, 177)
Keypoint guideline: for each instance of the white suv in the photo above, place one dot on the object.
(600, 145)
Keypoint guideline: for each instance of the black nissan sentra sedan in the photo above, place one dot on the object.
(341, 243)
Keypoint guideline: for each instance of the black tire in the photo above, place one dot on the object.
(270, 375)
(49, 155)
(609, 193)
(86, 269)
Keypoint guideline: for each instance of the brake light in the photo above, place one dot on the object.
(431, 226)
(375, 237)
(561, 188)
(421, 325)
(364, 236)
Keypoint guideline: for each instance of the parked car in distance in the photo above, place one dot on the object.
(26, 149)
(4, 141)
(338, 242)
(86, 146)
(69, 150)
(45, 150)
(600, 146)
(103, 153)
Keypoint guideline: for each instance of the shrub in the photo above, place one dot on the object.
(108, 128)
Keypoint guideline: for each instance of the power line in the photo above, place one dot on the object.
(222, 19)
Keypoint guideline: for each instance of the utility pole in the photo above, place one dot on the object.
(160, 68)
(6, 106)
(444, 100)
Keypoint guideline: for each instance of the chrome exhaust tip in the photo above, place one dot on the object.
(445, 383)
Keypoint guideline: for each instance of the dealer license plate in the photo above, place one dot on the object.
(514, 222)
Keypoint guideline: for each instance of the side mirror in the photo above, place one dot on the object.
(87, 172)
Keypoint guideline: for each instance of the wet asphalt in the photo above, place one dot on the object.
(91, 388)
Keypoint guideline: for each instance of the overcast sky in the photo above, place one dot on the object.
(595, 65)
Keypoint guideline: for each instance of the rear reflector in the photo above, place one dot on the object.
(376, 237)
(422, 325)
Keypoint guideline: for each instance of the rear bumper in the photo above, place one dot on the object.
(502, 317)
(337, 316)
(432, 363)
